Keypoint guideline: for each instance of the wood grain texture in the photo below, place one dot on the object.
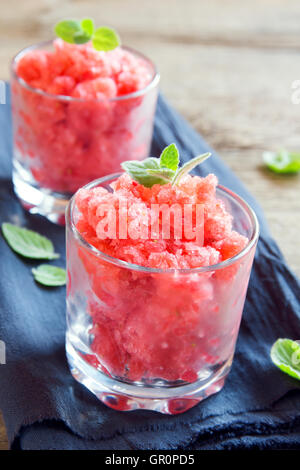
(226, 66)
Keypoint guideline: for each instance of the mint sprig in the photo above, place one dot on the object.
(282, 162)
(162, 170)
(80, 32)
(285, 354)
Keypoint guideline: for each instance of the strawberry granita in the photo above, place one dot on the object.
(220, 241)
(78, 113)
(156, 312)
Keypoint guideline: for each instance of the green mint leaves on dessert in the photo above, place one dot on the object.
(169, 157)
(139, 171)
(285, 354)
(105, 39)
(28, 243)
(154, 170)
(162, 170)
(87, 24)
(71, 31)
(50, 276)
(282, 162)
(80, 32)
(189, 166)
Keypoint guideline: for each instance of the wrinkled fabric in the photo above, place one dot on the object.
(45, 408)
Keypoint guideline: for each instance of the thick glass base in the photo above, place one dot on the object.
(125, 397)
(37, 200)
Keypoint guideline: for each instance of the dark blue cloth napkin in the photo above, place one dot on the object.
(45, 408)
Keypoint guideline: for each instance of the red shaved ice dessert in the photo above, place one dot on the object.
(78, 113)
(163, 312)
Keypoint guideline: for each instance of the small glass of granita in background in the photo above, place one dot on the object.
(152, 321)
(77, 114)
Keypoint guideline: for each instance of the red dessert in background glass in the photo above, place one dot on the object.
(77, 114)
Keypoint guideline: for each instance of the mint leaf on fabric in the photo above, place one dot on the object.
(169, 157)
(105, 39)
(28, 243)
(285, 354)
(50, 276)
(189, 166)
(282, 162)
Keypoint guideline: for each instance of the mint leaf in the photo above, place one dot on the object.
(105, 39)
(139, 171)
(81, 37)
(86, 31)
(49, 275)
(28, 243)
(87, 25)
(188, 166)
(282, 162)
(67, 30)
(162, 173)
(285, 354)
(169, 157)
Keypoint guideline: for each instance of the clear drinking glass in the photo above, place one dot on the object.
(61, 143)
(148, 338)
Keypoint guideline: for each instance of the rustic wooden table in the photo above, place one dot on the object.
(226, 66)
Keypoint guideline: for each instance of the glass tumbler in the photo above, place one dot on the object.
(62, 142)
(156, 339)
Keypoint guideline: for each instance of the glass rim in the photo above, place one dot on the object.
(151, 85)
(135, 267)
